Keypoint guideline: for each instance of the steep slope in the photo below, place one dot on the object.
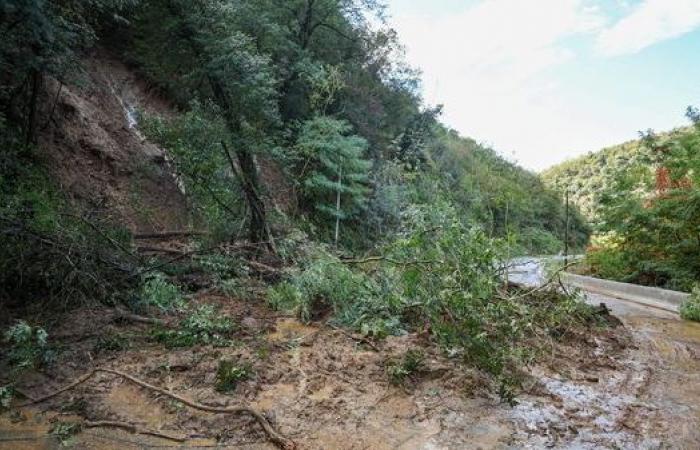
(94, 150)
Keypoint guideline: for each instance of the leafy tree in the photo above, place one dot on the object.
(336, 171)
(651, 214)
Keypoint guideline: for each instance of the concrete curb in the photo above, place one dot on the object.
(648, 296)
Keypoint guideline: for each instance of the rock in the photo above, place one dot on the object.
(251, 323)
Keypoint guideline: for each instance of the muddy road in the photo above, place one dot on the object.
(637, 387)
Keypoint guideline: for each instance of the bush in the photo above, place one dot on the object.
(608, 263)
(202, 326)
(159, 292)
(28, 347)
(51, 251)
(228, 375)
(405, 368)
(690, 309)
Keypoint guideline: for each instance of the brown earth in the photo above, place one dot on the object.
(99, 158)
(320, 386)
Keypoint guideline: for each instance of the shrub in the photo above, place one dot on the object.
(201, 327)
(323, 283)
(52, 251)
(159, 292)
(28, 347)
(7, 394)
(608, 263)
(406, 367)
(690, 309)
(228, 375)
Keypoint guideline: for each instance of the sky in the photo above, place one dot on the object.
(542, 81)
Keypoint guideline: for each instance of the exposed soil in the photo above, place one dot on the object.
(325, 389)
(99, 158)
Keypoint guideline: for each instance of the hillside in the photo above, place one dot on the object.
(588, 177)
(235, 223)
(642, 199)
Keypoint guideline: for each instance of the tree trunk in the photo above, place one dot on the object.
(30, 135)
(337, 205)
(258, 231)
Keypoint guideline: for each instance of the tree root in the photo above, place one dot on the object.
(274, 436)
(130, 428)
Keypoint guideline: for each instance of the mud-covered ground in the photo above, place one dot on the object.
(612, 388)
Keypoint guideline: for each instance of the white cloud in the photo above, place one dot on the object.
(650, 22)
(488, 64)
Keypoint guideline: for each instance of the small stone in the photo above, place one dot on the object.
(251, 323)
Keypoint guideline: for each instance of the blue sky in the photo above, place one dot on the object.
(546, 80)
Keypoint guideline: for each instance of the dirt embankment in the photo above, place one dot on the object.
(89, 139)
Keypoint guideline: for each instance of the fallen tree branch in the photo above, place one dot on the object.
(555, 276)
(169, 251)
(274, 436)
(390, 260)
(130, 428)
(169, 234)
(120, 314)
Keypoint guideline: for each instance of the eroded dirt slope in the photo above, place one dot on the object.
(94, 150)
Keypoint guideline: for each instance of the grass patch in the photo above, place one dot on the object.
(203, 326)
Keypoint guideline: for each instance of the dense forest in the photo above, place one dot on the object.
(588, 177)
(289, 162)
(642, 198)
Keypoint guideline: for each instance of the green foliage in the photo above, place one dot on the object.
(203, 326)
(228, 375)
(51, 250)
(195, 142)
(323, 283)
(334, 174)
(28, 347)
(439, 271)
(607, 262)
(589, 177)
(7, 394)
(159, 292)
(651, 214)
(690, 309)
(64, 432)
(405, 368)
(503, 197)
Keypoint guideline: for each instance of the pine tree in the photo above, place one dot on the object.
(338, 178)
